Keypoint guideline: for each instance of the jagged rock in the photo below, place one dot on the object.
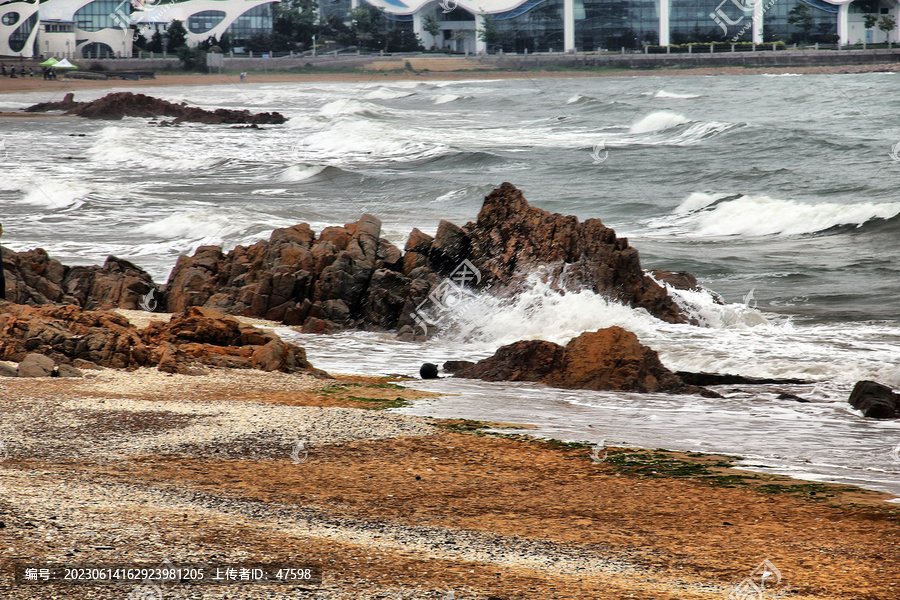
(606, 359)
(511, 239)
(36, 365)
(875, 400)
(35, 279)
(682, 280)
(69, 371)
(117, 105)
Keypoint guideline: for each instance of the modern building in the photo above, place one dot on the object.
(586, 25)
(18, 27)
(241, 19)
(105, 28)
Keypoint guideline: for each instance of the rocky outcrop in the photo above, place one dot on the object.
(607, 359)
(117, 105)
(875, 400)
(728, 379)
(34, 278)
(348, 276)
(199, 337)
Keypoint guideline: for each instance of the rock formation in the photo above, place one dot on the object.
(198, 337)
(350, 277)
(117, 105)
(606, 359)
(875, 400)
(34, 278)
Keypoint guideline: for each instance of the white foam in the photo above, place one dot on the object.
(384, 93)
(763, 215)
(117, 144)
(204, 227)
(55, 194)
(658, 121)
(674, 95)
(445, 98)
(300, 172)
(348, 107)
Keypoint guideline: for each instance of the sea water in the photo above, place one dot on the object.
(778, 193)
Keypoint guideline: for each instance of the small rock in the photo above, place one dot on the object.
(875, 400)
(428, 371)
(36, 365)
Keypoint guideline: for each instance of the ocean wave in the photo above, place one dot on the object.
(297, 173)
(658, 121)
(128, 145)
(720, 215)
(367, 140)
(580, 99)
(55, 194)
(447, 98)
(344, 107)
(383, 93)
(674, 95)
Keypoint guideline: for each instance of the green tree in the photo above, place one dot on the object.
(887, 24)
(869, 20)
(295, 20)
(225, 42)
(431, 25)
(458, 36)
(192, 59)
(156, 42)
(801, 16)
(177, 35)
(489, 33)
(139, 40)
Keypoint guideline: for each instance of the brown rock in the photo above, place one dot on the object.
(612, 359)
(531, 360)
(876, 401)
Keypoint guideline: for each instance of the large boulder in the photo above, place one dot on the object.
(606, 359)
(36, 365)
(875, 400)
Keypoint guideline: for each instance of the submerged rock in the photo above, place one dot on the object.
(117, 105)
(875, 400)
(606, 359)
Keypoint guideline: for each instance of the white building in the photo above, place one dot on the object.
(18, 27)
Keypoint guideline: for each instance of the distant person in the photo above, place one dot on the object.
(22, 72)
(2, 277)
(31, 71)
(12, 73)
(243, 74)
(3, 70)
(46, 73)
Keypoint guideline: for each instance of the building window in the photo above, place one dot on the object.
(20, 36)
(97, 50)
(255, 21)
(101, 14)
(11, 18)
(204, 20)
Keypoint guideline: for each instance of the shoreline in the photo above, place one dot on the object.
(200, 468)
(61, 87)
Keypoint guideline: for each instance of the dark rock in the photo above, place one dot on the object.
(36, 365)
(530, 360)
(726, 379)
(682, 280)
(875, 400)
(786, 396)
(511, 239)
(454, 366)
(69, 371)
(8, 371)
(428, 371)
(117, 105)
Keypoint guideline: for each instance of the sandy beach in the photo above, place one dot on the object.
(144, 466)
(63, 86)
